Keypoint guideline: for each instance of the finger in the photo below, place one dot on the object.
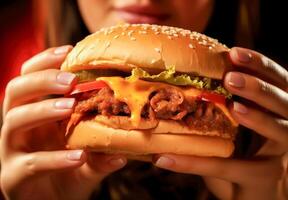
(29, 116)
(51, 58)
(237, 171)
(46, 162)
(37, 84)
(261, 122)
(258, 91)
(42, 163)
(99, 165)
(262, 66)
(105, 163)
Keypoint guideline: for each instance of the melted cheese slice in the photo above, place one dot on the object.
(136, 94)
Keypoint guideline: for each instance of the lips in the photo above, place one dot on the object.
(141, 14)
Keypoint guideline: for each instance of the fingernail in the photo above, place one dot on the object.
(164, 162)
(62, 49)
(236, 79)
(242, 55)
(64, 103)
(117, 162)
(74, 155)
(65, 78)
(240, 108)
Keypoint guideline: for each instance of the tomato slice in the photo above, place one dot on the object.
(212, 97)
(85, 87)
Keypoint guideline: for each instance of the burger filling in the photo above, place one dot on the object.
(137, 104)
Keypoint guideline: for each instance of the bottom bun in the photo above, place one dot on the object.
(93, 136)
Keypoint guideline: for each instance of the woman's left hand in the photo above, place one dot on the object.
(264, 175)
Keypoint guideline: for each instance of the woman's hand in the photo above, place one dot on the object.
(264, 175)
(34, 162)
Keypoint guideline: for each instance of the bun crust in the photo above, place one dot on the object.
(151, 47)
(154, 49)
(93, 136)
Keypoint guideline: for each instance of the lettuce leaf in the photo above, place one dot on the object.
(168, 76)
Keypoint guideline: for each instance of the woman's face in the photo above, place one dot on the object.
(189, 14)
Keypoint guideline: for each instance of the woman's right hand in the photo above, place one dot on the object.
(34, 162)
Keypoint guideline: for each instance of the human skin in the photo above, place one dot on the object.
(192, 15)
(34, 162)
(264, 174)
(29, 159)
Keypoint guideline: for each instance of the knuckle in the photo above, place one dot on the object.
(50, 71)
(10, 87)
(24, 67)
(9, 116)
(30, 165)
(44, 55)
(43, 107)
(8, 121)
(268, 64)
(5, 178)
(6, 129)
(264, 87)
(42, 77)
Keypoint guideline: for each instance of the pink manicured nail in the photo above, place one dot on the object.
(65, 78)
(240, 108)
(164, 162)
(74, 155)
(64, 103)
(236, 79)
(62, 49)
(242, 55)
(117, 162)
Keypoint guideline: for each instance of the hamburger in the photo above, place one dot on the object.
(148, 89)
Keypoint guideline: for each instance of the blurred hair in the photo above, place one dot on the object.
(62, 22)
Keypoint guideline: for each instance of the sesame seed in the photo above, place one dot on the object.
(191, 46)
(158, 50)
(130, 33)
(153, 61)
(170, 32)
(102, 29)
(125, 27)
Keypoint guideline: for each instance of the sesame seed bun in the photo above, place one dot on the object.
(151, 47)
(154, 49)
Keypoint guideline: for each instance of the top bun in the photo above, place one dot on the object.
(151, 47)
